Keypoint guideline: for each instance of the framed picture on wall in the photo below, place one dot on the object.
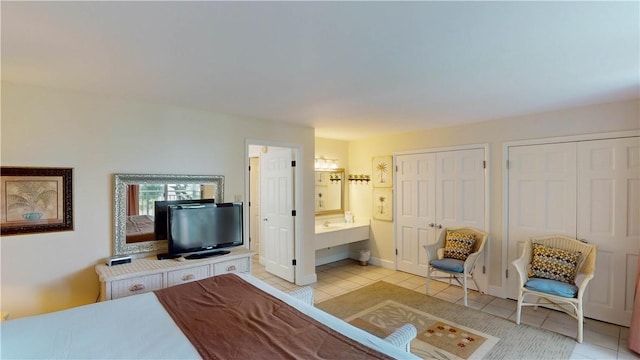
(35, 200)
(382, 171)
(382, 204)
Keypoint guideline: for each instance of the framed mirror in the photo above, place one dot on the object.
(135, 197)
(329, 191)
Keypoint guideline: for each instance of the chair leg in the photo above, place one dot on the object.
(427, 282)
(464, 286)
(580, 316)
(519, 309)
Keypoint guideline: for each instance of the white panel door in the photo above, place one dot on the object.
(415, 210)
(276, 194)
(542, 196)
(609, 217)
(436, 190)
(460, 197)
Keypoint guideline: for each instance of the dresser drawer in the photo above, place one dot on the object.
(133, 286)
(187, 275)
(232, 266)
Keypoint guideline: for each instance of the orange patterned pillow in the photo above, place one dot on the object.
(458, 245)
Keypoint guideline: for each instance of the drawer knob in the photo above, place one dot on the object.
(136, 287)
(188, 277)
(231, 268)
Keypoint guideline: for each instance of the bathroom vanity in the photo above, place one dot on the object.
(334, 234)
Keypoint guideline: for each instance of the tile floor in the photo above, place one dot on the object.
(601, 340)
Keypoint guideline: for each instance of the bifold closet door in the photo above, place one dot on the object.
(542, 197)
(609, 217)
(434, 191)
(589, 190)
(415, 210)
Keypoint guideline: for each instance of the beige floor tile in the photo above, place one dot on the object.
(591, 351)
(452, 298)
(602, 327)
(505, 303)
(497, 310)
(570, 330)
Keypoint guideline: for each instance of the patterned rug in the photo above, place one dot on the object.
(437, 338)
(445, 330)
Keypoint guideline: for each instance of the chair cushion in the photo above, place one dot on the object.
(553, 287)
(448, 264)
(553, 263)
(458, 245)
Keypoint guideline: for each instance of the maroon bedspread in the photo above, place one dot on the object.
(225, 317)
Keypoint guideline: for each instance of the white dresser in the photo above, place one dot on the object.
(149, 274)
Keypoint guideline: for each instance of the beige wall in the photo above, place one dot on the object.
(97, 137)
(587, 120)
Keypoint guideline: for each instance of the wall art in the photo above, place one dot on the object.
(35, 200)
(382, 171)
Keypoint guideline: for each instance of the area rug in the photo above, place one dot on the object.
(445, 330)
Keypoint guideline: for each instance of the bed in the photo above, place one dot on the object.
(140, 228)
(144, 326)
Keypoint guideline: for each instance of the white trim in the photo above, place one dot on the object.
(441, 149)
(502, 291)
(387, 264)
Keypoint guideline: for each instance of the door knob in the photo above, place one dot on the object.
(265, 219)
(439, 226)
(432, 224)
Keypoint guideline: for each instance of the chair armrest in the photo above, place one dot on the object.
(432, 251)
(304, 294)
(470, 262)
(402, 336)
(582, 287)
(521, 267)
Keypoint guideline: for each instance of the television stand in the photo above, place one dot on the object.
(207, 254)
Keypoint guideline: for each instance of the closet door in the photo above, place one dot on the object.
(434, 191)
(609, 216)
(460, 197)
(415, 209)
(589, 190)
(542, 196)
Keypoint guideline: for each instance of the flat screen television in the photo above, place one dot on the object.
(200, 229)
(161, 213)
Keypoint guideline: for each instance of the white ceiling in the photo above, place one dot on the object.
(348, 69)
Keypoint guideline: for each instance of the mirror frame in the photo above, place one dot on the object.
(342, 187)
(121, 181)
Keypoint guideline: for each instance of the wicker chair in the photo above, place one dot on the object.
(463, 270)
(571, 305)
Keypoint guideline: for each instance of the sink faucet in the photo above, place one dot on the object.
(326, 224)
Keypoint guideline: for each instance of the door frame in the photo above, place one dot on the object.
(297, 194)
(503, 292)
(487, 197)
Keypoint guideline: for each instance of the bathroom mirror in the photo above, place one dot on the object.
(134, 205)
(329, 191)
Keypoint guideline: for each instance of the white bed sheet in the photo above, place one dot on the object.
(135, 327)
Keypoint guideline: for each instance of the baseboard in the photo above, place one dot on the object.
(379, 262)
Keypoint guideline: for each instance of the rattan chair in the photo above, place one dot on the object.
(464, 270)
(571, 305)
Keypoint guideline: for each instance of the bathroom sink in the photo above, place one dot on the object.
(337, 226)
